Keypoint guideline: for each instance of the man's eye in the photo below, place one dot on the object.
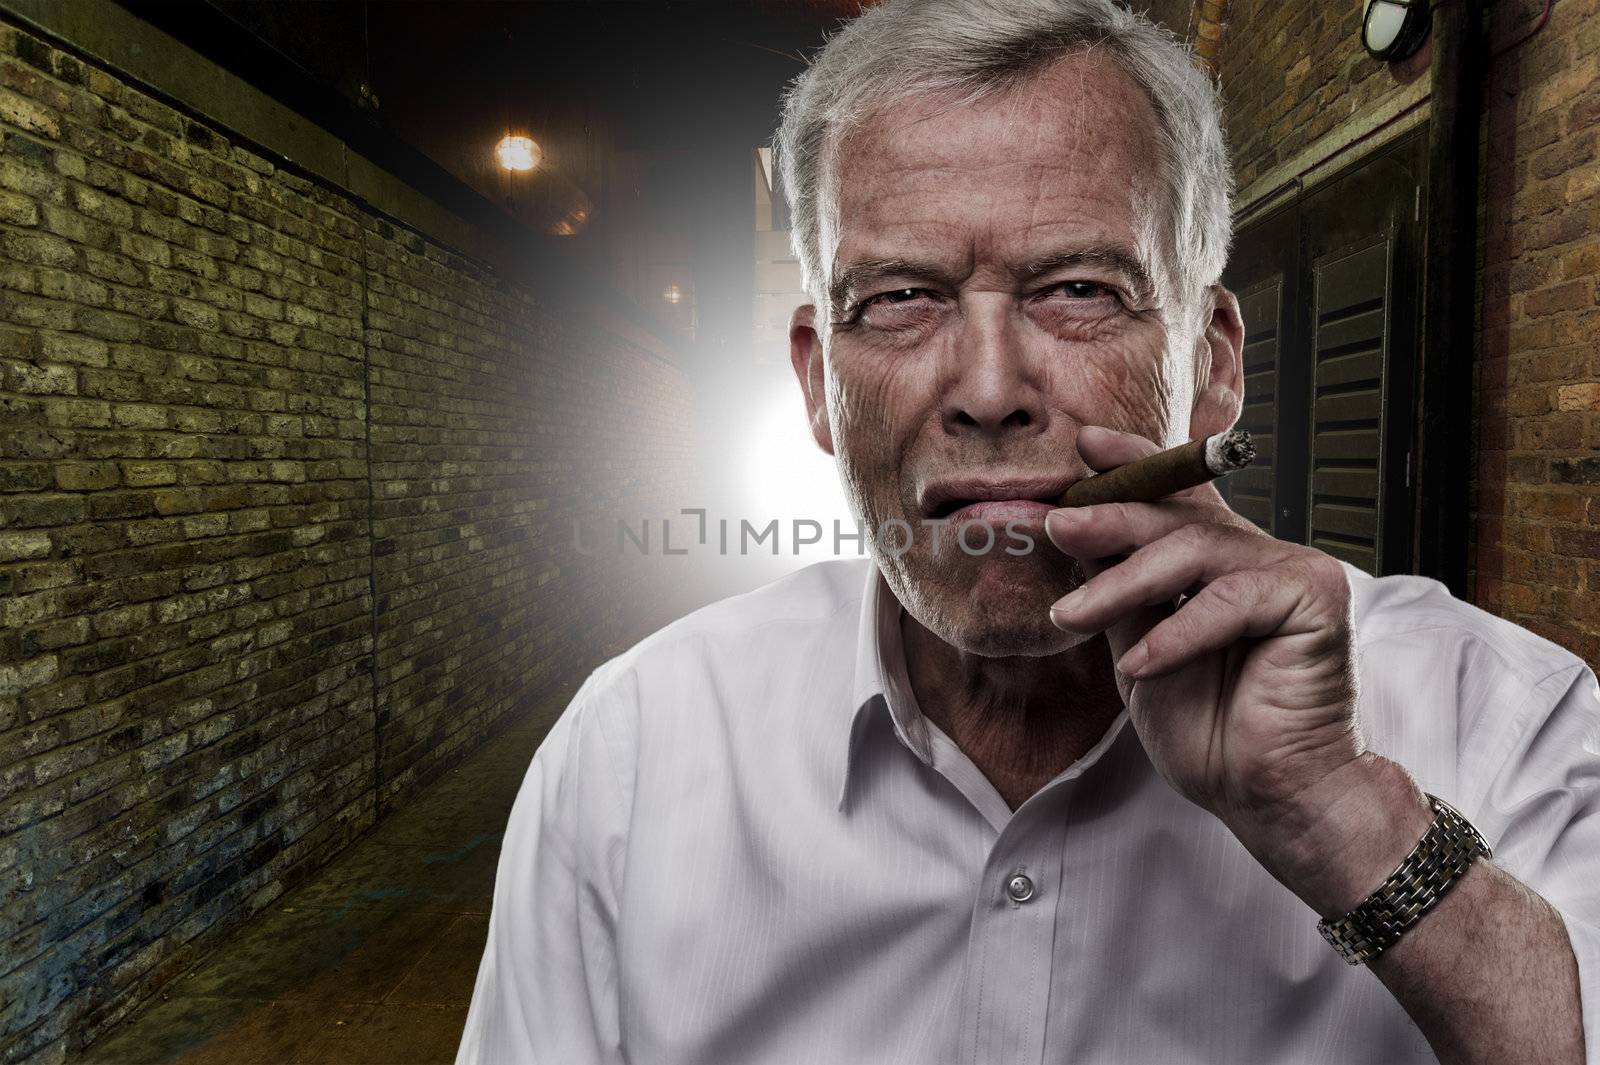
(899, 295)
(1082, 290)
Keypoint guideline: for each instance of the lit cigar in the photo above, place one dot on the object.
(1165, 472)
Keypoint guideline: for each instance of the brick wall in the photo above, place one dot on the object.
(1291, 75)
(283, 490)
(1538, 380)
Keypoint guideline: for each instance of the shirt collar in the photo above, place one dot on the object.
(882, 685)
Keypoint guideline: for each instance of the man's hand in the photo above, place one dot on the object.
(1244, 695)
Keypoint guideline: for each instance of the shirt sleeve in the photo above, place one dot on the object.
(1543, 808)
(546, 992)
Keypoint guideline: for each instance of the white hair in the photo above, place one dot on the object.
(976, 48)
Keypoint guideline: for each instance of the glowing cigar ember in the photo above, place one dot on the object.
(1165, 472)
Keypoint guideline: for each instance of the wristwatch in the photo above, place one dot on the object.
(1445, 852)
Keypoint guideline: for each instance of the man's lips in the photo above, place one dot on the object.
(999, 511)
(991, 498)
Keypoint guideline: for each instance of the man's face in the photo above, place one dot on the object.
(1000, 279)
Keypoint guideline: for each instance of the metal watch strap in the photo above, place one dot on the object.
(1444, 853)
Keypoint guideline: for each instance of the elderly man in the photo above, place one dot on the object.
(1080, 803)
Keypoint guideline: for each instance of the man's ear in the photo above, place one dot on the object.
(805, 354)
(1219, 371)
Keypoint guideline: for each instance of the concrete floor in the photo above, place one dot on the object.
(373, 961)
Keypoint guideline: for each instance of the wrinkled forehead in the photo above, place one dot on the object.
(1071, 153)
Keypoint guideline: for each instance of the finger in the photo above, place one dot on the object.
(1245, 604)
(1103, 448)
(1159, 572)
(1125, 632)
(1105, 529)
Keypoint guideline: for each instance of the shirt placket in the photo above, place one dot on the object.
(1011, 949)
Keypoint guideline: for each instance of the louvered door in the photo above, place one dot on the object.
(1328, 288)
(1252, 491)
(1350, 307)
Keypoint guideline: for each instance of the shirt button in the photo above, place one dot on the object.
(1020, 888)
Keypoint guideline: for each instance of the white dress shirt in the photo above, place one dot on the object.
(743, 843)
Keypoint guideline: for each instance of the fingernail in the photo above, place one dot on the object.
(1061, 610)
(1065, 517)
(1134, 660)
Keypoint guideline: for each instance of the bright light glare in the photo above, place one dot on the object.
(517, 153)
(788, 477)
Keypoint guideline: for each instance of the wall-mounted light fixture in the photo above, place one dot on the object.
(672, 294)
(1391, 30)
(517, 153)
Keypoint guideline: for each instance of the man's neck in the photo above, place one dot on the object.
(1022, 720)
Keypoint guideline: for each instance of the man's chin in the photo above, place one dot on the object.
(996, 604)
(998, 631)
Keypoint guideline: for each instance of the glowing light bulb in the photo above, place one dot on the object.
(517, 153)
(672, 294)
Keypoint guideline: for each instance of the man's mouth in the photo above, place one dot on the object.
(992, 499)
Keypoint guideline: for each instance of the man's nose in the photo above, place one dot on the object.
(993, 387)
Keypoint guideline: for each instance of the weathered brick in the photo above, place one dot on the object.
(111, 267)
(144, 249)
(18, 677)
(43, 249)
(1568, 154)
(1582, 543)
(1575, 471)
(86, 476)
(139, 416)
(1563, 506)
(112, 506)
(23, 545)
(1584, 396)
(18, 210)
(108, 326)
(69, 347)
(149, 474)
(29, 115)
(25, 477)
(1549, 432)
(61, 285)
(31, 379)
(1581, 185)
(1571, 296)
(38, 576)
